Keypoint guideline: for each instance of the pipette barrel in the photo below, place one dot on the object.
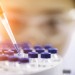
(4, 21)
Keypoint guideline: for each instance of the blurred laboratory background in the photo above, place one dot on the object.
(43, 22)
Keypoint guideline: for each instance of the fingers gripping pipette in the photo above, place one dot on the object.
(6, 25)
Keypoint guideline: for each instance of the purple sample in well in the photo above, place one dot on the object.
(47, 46)
(37, 47)
(3, 57)
(14, 50)
(23, 60)
(39, 50)
(53, 50)
(27, 50)
(25, 45)
(11, 53)
(33, 55)
(5, 49)
(54, 54)
(45, 59)
(13, 58)
(45, 55)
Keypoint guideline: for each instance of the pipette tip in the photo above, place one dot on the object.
(17, 48)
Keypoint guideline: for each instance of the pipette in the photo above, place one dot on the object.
(6, 25)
